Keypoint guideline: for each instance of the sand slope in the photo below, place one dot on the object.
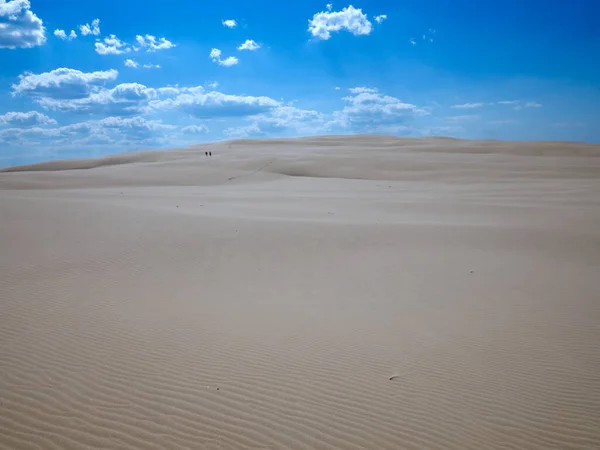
(264, 298)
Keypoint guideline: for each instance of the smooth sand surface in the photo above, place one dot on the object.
(360, 292)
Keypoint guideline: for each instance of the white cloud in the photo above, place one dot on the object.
(62, 83)
(62, 35)
(467, 106)
(168, 91)
(229, 23)
(368, 110)
(350, 18)
(213, 85)
(509, 102)
(198, 103)
(151, 66)
(215, 55)
(412, 41)
(111, 130)
(229, 61)
(112, 45)
(152, 44)
(468, 117)
(249, 45)
(280, 120)
(136, 127)
(125, 99)
(94, 29)
(19, 27)
(533, 105)
(26, 119)
(131, 63)
(380, 18)
(362, 90)
(194, 129)
(337, 88)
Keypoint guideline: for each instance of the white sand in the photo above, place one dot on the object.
(265, 297)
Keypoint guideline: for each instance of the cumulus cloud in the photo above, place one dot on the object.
(249, 45)
(362, 90)
(198, 103)
(106, 131)
(412, 41)
(229, 23)
(283, 119)
(126, 99)
(112, 45)
(350, 19)
(131, 63)
(380, 18)
(151, 66)
(368, 110)
(62, 83)
(26, 119)
(19, 27)
(168, 91)
(215, 55)
(134, 127)
(94, 29)
(62, 35)
(467, 106)
(194, 129)
(152, 44)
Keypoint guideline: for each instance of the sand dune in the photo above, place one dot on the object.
(365, 292)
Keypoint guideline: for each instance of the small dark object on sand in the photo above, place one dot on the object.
(472, 271)
(394, 377)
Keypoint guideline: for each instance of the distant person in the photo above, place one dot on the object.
(206, 154)
(210, 154)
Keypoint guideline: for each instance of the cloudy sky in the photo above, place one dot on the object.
(88, 78)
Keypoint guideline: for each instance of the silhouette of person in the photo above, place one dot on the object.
(210, 154)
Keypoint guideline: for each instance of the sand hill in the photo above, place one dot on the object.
(363, 292)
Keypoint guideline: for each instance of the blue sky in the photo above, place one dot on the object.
(88, 78)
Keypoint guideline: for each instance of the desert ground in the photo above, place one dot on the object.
(358, 292)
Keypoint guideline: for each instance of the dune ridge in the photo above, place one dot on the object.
(362, 292)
